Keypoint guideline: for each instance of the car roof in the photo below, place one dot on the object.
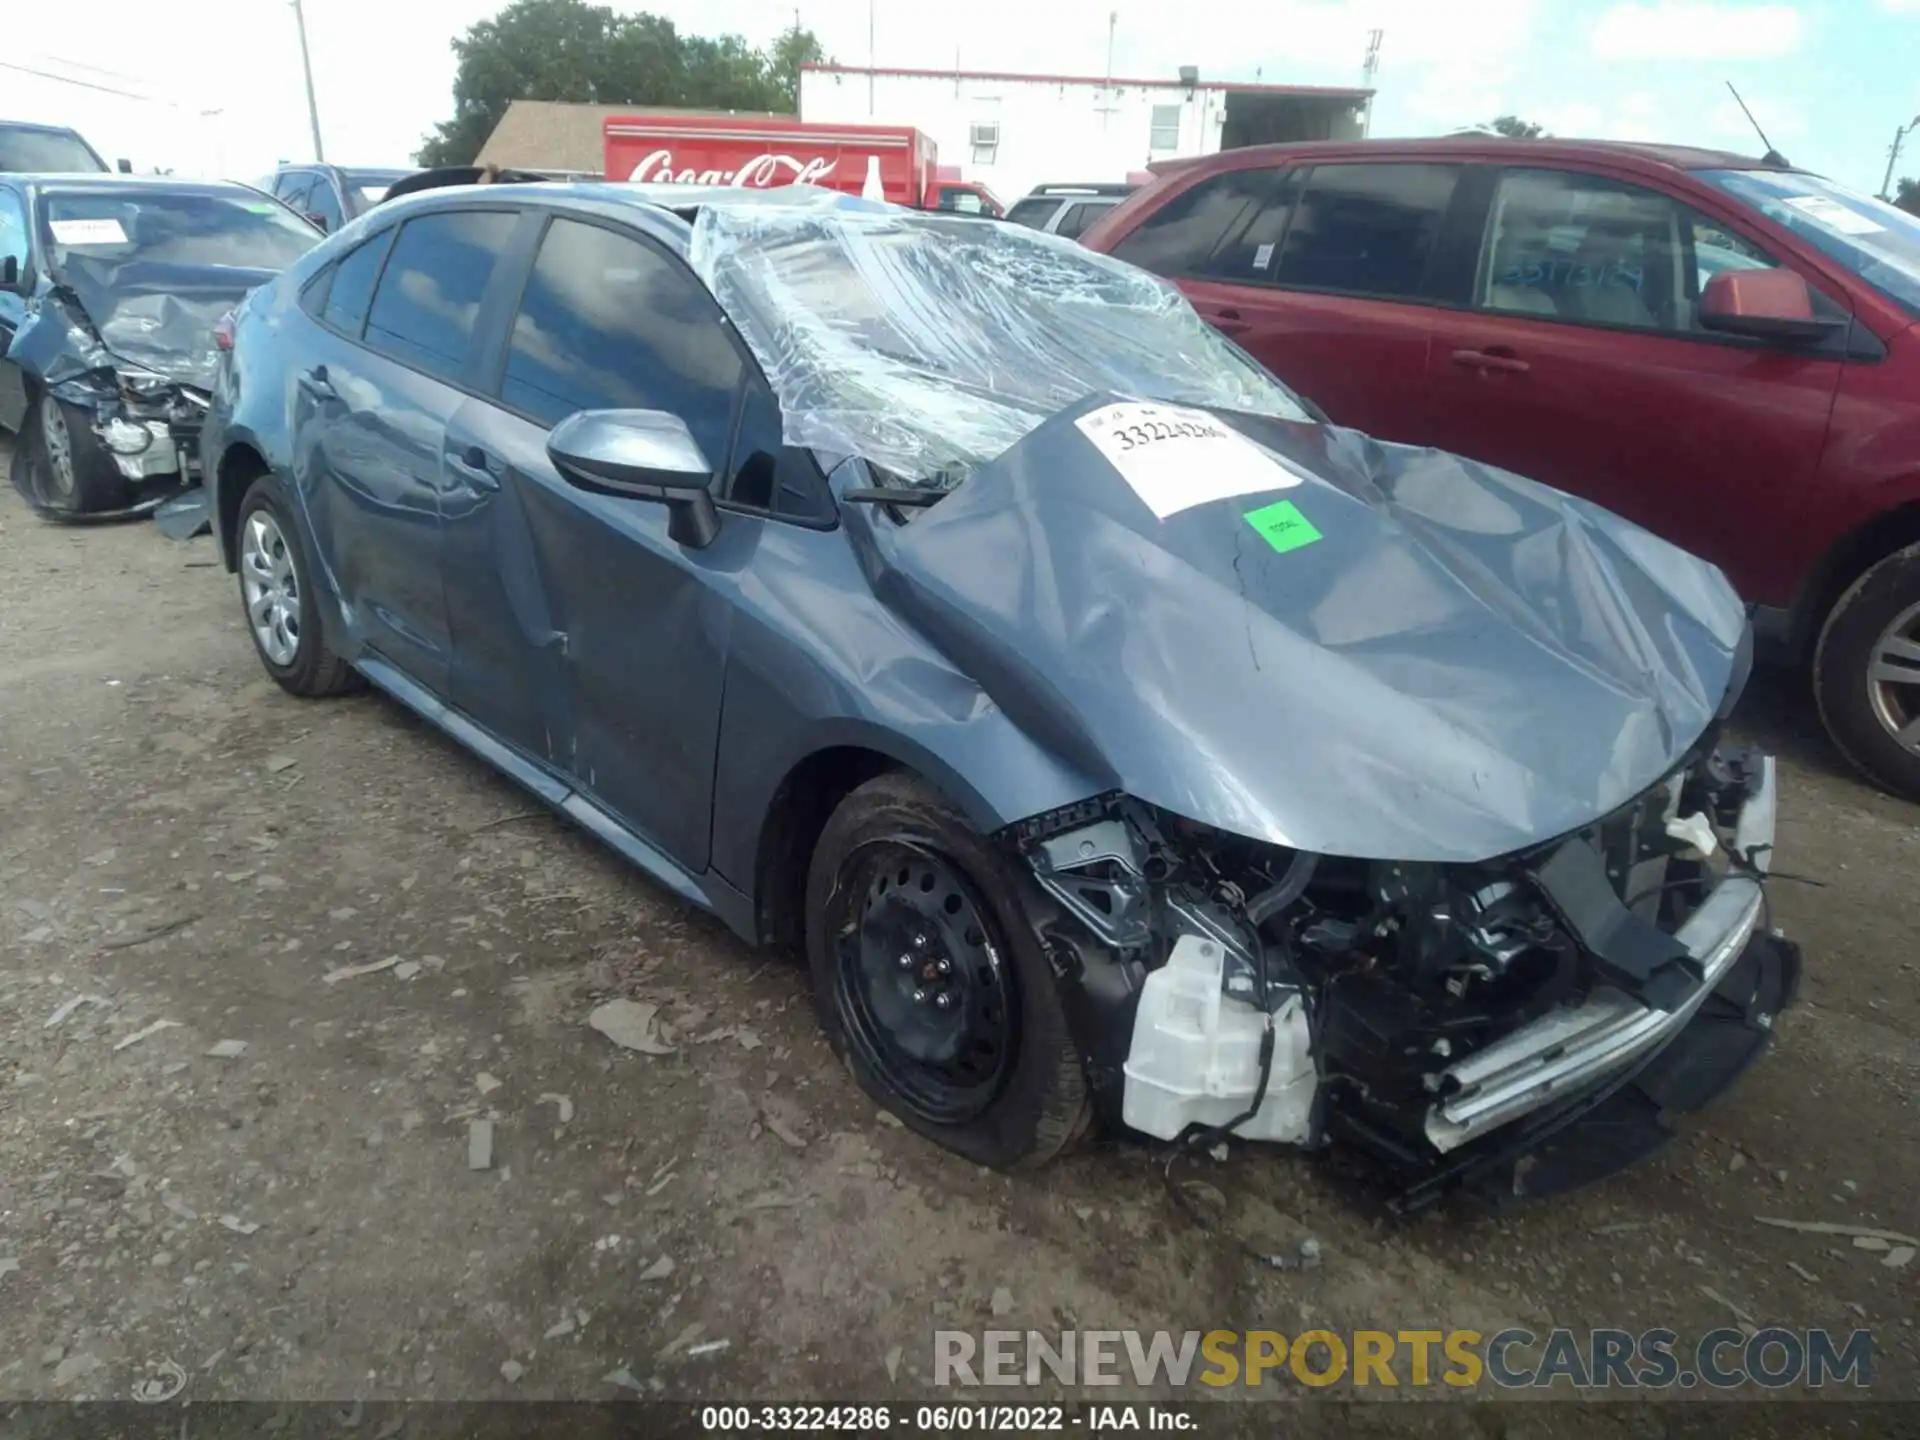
(615, 199)
(1469, 147)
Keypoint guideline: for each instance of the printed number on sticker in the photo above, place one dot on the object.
(1175, 458)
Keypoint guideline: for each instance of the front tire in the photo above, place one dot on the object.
(62, 467)
(1866, 673)
(930, 982)
(277, 597)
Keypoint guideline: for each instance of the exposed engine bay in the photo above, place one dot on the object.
(1448, 1020)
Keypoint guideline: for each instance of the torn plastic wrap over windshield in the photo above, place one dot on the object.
(929, 346)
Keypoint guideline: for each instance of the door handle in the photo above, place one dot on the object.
(316, 384)
(474, 466)
(1228, 321)
(1490, 360)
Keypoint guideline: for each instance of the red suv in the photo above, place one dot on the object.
(1723, 349)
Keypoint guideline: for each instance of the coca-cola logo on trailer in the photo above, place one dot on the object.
(761, 171)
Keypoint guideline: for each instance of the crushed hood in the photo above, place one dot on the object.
(158, 317)
(1416, 657)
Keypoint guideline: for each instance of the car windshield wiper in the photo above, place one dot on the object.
(916, 499)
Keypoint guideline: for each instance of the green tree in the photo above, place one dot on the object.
(572, 50)
(1907, 196)
(1514, 128)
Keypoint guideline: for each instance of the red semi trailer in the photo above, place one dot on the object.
(896, 163)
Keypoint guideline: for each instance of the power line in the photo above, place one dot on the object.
(83, 84)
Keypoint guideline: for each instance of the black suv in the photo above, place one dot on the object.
(330, 195)
(27, 149)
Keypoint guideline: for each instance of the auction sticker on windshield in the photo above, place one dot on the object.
(87, 232)
(1176, 458)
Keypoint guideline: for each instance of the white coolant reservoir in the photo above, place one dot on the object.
(1195, 1056)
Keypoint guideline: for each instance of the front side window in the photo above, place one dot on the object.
(1572, 246)
(1253, 252)
(292, 186)
(324, 204)
(610, 323)
(87, 228)
(429, 294)
(1367, 229)
(13, 229)
(1178, 239)
(1876, 241)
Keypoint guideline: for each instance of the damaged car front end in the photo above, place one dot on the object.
(1518, 1026)
(1410, 823)
(114, 344)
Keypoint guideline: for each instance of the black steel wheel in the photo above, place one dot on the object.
(928, 1004)
(930, 982)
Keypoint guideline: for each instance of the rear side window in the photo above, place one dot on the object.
(1080, 215)
(1254, 253)
(607, 322)
(1178, 238)
(1367, 229)
(429, 294)
(350, 289)
(1033, 213)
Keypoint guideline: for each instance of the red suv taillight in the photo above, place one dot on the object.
(223, 331)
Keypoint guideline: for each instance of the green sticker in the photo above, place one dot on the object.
(1282, 526)
(259, 207)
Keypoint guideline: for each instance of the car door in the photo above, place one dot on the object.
(1581, 362)
(13, 307)
(1327, 276)
(372, 399)
(583, 633)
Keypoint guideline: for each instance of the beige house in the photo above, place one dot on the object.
(564, 138)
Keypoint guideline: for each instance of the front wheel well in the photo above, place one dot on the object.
(804, 802)
(1855, 553)
(240, 466)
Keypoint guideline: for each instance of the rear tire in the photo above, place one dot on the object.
(981, 1061)
(1868, 647)
(277, 598)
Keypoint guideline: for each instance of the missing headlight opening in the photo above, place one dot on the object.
(1520, 1025)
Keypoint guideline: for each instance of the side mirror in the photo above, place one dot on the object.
(319, 222)
(640, 455)
(123, 165)
(1763, 305)
(10, 274)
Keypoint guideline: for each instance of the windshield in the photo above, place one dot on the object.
(931, 345)
(1879, 243)
(180, 228)
(367, 188)
(46, 152)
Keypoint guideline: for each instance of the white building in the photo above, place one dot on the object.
(1012, 132)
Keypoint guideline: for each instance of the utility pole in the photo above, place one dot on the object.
(1368, 69)
(1900, 133)
(1113, 24)
(870, 60)
(306, 66)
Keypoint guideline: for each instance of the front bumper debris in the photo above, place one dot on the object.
(1572, 1046)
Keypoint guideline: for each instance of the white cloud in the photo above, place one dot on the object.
(1698, 30)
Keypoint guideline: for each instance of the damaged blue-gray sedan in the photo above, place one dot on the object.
(1119, 743)
(111, 291)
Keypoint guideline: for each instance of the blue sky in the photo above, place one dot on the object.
(1828, 80)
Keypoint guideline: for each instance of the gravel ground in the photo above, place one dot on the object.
(189, 857)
